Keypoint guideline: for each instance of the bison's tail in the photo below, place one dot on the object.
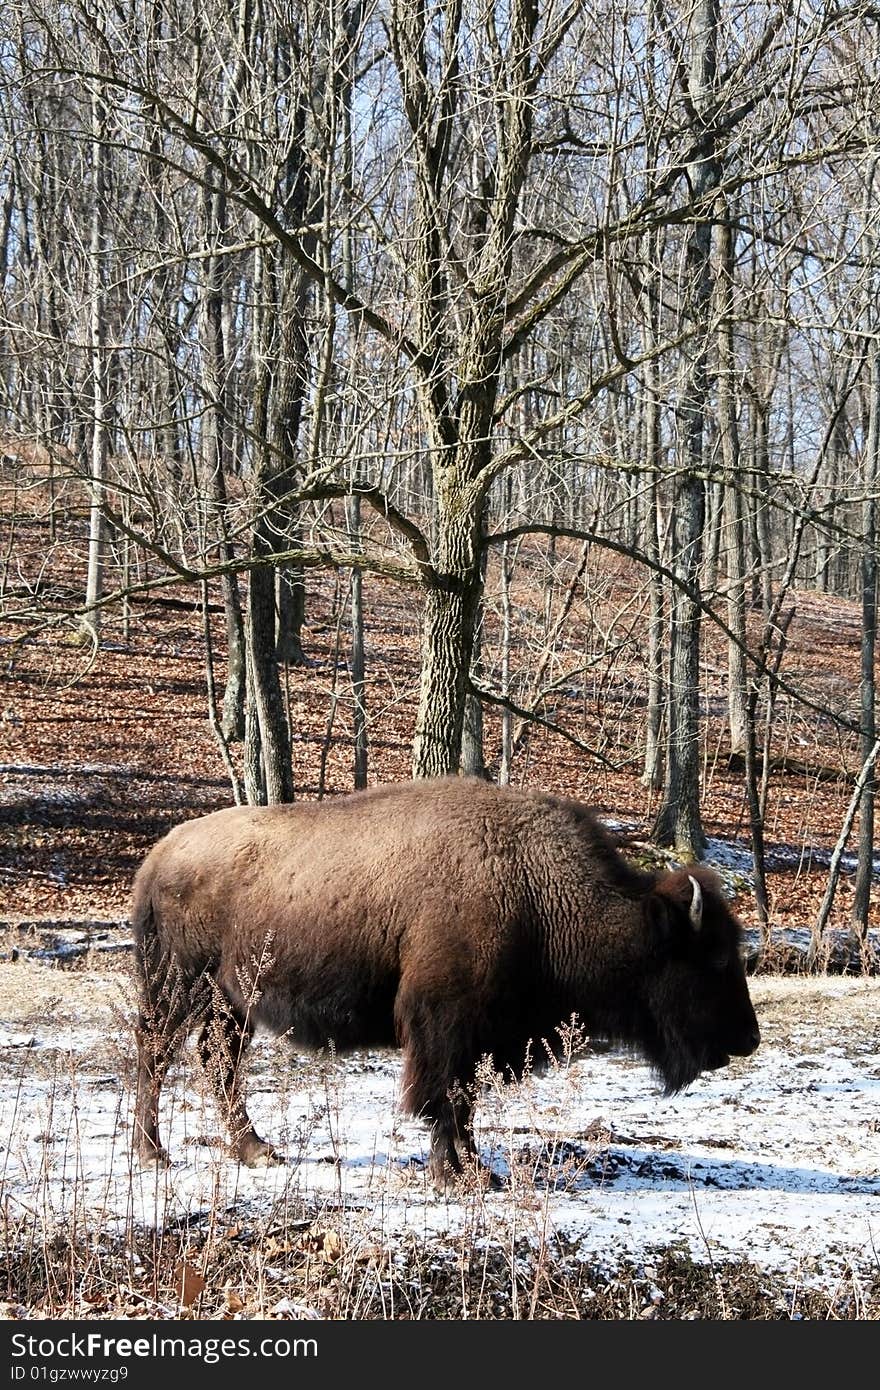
(157, 969)
(171, 999)
(150, 961)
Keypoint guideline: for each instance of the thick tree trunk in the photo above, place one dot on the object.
(291, 608)
(678, 821)
(447, 647)
(268, 698)
(254, 780)
(472, 760)
(264, 686)
(460, 328)
(450, 615)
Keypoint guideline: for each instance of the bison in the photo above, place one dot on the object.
(450, 917)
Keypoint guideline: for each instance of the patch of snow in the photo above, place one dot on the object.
(775, 1158)
(727, 854)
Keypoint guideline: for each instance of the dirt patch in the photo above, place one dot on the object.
(813, 1013)
(39, 996)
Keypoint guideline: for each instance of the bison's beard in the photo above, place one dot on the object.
(678, 1072)
(678, 1062)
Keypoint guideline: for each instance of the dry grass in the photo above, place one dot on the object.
(31, 991)
(808, 1007)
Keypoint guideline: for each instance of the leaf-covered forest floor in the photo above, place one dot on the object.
(731, 1202)
(100, 754)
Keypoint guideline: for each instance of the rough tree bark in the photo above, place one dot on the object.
(268, 721)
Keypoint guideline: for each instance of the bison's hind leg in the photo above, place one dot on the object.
(153, 1059)
(222, 1044)
(163, 1021)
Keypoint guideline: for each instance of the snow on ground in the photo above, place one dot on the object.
(775, 1158)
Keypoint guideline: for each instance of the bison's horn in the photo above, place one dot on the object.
(696, 909)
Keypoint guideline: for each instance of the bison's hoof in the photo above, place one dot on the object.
(270, 1159)
(476, 1175)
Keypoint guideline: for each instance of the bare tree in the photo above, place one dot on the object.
(99, 444)
(678, 821)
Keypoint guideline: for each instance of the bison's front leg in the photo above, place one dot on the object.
(440, 1055)
(222, 1044)
(452, 1135)
(444, 1164)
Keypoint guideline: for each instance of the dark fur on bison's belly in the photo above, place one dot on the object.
(517, 1040)
(337, 1017)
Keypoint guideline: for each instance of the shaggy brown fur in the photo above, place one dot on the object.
(451, 917)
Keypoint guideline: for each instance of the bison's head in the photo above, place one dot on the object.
(696, 998)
